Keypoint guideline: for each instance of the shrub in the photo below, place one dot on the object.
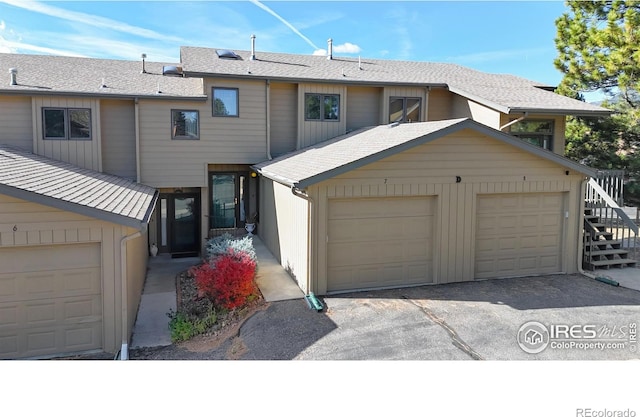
(184, 327)
(227, 279)
(220, 245)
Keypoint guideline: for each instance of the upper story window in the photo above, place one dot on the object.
(225, 102)
(322, 107)
(185, 124)
(66, 124)
(404, 109)
(536, 132)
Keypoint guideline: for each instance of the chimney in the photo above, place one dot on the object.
(14, 76)
(144, 71)
(330, 49)
(253, 47)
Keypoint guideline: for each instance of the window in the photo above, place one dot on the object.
(404, 109)
(536, 132)
(225, 102)
(322, 107)
(184, 124)
(66, 124)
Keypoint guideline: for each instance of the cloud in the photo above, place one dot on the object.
(347, 48)
(320, 52)
(14, 47)
(2, 25)
(88, 19)
(287, 24)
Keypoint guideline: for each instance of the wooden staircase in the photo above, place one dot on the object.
(601, 250)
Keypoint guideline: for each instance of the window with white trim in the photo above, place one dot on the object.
(66, 124)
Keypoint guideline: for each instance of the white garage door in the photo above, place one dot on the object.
(518, 234)
(380, 242)
(50, 300)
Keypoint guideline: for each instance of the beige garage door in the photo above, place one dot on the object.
(380, 242)
(50, 300)
(518, 234)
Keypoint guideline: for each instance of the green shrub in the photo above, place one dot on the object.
(184, 327)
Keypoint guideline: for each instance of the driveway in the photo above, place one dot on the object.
(464, 321)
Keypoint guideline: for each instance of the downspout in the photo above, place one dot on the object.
(583, 191)
(124, 349)
(513, 122)
(268, 115)
(137, 128)
(299, 193)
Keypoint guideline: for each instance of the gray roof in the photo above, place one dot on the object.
(67, 187)
(45, 74)
(505, 93)
(342, 154)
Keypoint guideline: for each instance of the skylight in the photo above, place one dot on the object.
(171, 70)
(226, 54)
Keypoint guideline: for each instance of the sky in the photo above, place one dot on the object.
(515, 37)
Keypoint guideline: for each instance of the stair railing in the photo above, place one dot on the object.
(613, 217)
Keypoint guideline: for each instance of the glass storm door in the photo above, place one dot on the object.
(228, 200)
(179, 224)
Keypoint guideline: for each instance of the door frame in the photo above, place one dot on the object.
(238, 199)
(168, 247)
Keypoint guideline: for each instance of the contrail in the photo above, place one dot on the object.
(289, 25)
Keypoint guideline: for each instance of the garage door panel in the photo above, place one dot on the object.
(379, 242)
(518, 234)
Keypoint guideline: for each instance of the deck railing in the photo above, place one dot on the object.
(612, 182)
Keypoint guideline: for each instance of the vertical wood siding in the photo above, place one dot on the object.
(16, 122)
(463, 107)
(117, 120)
(440, 104)
(363, 107)
(82, 153)
(284, 118)
(312, 132)
(485, 165)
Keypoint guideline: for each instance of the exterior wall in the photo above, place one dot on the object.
(16, 122)
(137, 257)
(82, 153)
(283, 103)
(463, 107)
(118, 127)
(389, 92)
(284, 228)
(485, 165)
(440, 104)
(312, 132)
(559, 127)
(37, 224)
(226, 140)
(363, 107)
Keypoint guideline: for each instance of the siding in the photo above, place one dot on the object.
(463, 107)
(440, 104)
(118, 128)
(83, 153)
(25, 224)
(363, 107)
(16, 122)
(225, 140)
(485, 165)
(312, 132)
(283, 118)
(137, 257)
(283, 228)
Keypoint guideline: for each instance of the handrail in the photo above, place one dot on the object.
(613, 205)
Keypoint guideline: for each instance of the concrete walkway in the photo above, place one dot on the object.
(159, 294)
(626, 277)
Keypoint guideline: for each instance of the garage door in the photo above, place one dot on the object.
(50, 300)
(518, 234)
(380, 242)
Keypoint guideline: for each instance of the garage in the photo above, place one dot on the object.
(519, 234)
(380, 242)
(50, 300)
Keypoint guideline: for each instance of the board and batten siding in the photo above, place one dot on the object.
(82, 153)
(484, 165)
(118, 127)
(26, 224)
(412, 92)
(363, 107)
(283, 112)
(440, 104)
(284, 227)
(314, 131)
(16, 122)
(223, 140)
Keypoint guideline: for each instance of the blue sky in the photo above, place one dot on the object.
(515, 37)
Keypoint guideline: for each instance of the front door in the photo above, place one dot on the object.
(229, 200)
(179, 225)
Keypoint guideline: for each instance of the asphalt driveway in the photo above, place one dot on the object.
(465, 321)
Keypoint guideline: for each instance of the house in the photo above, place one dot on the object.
(362, 173)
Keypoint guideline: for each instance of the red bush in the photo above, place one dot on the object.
(228, 279)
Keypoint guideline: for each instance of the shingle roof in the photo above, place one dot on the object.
(505, 93)
(59, 184)
(44, 74)
(342, 154)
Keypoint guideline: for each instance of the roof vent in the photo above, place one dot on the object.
(226, 54)
(253, 47)
(172, 70)
(14, 76)
(144, 71)
(330, 49)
